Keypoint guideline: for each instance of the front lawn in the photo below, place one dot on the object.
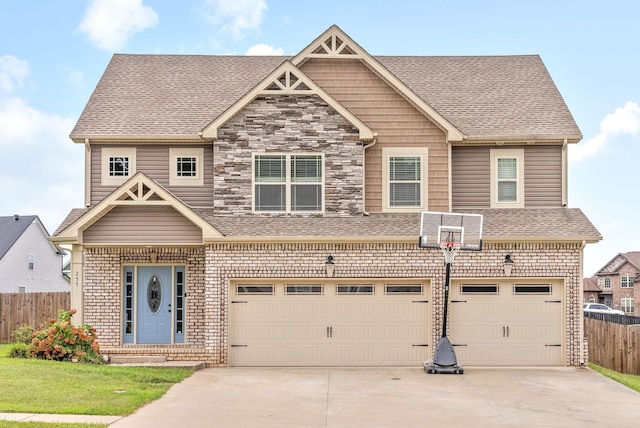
(630, 381)
(39, 386)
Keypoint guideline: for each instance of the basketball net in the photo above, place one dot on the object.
(450, 250)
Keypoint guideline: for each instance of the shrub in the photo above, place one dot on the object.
(62, 341)
(23, 334)
(19, 350)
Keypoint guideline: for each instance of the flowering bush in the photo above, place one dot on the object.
(62, 341)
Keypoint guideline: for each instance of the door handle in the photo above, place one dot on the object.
(504, 331)
(329, 331)
(507, 331)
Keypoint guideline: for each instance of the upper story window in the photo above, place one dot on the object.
(626, 282)
(607, 283)
(118, 165)
(288, 182)
(507, 178)
(32, 261)
(186, 166)
(405, 179)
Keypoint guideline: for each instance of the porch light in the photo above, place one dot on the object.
(508, 265)
(330, 266)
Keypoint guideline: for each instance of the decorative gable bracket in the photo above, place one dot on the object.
(285, 80)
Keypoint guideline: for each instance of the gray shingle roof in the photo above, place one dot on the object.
(552, 224)
(11, 230)
(178, 95)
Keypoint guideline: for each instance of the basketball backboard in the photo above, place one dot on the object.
(465, 230)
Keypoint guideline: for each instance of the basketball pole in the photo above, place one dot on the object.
(447, 278)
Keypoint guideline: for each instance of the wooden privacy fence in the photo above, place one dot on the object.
(29, 308)
(613, 346)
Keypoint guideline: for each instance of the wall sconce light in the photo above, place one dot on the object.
(508, 265)
(330, 266)
(153, 255)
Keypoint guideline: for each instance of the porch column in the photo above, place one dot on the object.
(77, 284)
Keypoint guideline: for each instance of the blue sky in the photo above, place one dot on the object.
(52, 54)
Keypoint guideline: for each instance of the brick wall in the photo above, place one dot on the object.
(208, 282)
(288, 124)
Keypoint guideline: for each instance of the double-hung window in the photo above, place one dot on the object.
(404, 171)
(507, 178)
(626, 304)
(626, 282)
(288, 182)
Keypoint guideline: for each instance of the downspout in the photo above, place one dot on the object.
(565, 173)
(581, 291)
(364, 172)
(87, 173)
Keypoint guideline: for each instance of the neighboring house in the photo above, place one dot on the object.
(616, 281)
(29, 262)
(265, 211)
(591, 292)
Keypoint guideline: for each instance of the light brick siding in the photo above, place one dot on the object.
(208, 283)
(103, 299)
(288, 124)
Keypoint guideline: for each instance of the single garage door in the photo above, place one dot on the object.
(507, 324)
(329, 324)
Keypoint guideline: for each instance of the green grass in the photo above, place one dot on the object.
(630, 381)
(38, 386)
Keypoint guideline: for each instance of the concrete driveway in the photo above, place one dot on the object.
(392, 397)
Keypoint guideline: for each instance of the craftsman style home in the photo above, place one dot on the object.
(614, 283)
(29, 262)
(265, 211)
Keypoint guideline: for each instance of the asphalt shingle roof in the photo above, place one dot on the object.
(179, 95)
(554, 224)
(11, 230)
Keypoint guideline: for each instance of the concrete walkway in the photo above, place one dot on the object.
(388, 397)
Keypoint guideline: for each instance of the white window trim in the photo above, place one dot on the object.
(518, 154)
(629, 281)
(194, 152)
(423, 154)
(287, 183)
(109, 152)
(22, 289)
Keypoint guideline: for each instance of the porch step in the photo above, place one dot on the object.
(155, 361)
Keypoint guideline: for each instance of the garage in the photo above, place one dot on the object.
(507, 323)
(345, 323)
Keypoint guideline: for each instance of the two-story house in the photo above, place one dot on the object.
(265, 211)
(615, 282)
(29, 262)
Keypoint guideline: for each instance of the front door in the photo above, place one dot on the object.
(154, 304)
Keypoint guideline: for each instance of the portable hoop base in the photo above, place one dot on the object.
(431, 368)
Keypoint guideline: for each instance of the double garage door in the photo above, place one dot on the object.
(329, 324)
(389, 323)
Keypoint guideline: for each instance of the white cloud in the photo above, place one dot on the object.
(264, 50)
(110, 23)
(43, 169)
(624, 120)
(13, 72)
(236, 17)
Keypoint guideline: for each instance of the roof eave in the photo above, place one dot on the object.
(104, 138)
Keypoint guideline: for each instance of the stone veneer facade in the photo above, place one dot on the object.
(288, 124)
(211, 269)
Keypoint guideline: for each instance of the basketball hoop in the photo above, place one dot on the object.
(450, 250)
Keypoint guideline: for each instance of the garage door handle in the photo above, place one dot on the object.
(554, 345)
(420, 345)
(419, 301)
(505, 331)
(329, 331)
